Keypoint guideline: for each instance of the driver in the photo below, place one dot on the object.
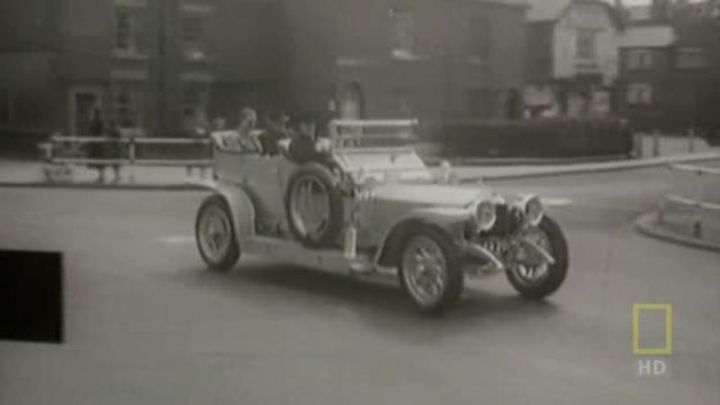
(305, 147)
(276, 131)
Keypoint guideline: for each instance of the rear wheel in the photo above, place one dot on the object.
(536, 279)
(215, 235)
(430, 270)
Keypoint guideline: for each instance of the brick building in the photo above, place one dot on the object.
(160, 64)
(670, 66)
(427, 58)
(151, 64)
(572, 57)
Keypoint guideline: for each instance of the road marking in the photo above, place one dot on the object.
(556, 201)
(176, 239)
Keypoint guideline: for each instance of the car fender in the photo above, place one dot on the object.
(448, 220)
(240, 203)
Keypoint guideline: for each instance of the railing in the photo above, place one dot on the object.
(127, 148)
(697, 200)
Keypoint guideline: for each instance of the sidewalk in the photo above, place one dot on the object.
(14, 173)
(679, 228)
(30, 174)
(470, 174)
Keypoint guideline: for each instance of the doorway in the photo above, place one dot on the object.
(352, 102)
(82, 104)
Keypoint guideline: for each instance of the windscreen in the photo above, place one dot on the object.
(373, 133)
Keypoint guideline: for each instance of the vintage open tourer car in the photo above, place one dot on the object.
(373, 207)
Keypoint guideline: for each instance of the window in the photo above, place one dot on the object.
(403, 33)
(192, 29)
(479, 39)
(639, 59)
(124, 31)
(195, 100)
(402, 102)
(192, 37)
(586, 46)
(126, 105)
(690, 58)
(639, 94)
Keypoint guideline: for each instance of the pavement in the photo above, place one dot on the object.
(681, 229)
(18, 173)
(147, 324)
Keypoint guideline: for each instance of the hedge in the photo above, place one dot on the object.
(537, 138)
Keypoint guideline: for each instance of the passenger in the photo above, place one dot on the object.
(198, 128)
(219, 124)
(245, 138)
(276, 131)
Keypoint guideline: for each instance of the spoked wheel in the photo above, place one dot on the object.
(312, 213)
(430, 271)
(215, 235)
(533, 277)
(314, 206)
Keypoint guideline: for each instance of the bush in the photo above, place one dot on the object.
(538, 138)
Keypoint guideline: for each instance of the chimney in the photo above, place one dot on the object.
(661, 10)
(621, 10)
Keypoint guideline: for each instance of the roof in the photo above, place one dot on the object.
(546, 10)
(648, 36)
(553, 10)
(638, 12)
(506, 2)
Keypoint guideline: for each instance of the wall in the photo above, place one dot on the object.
(292, 54)
(586, 16)
(27, 34)
(333, 44)
(684, 97)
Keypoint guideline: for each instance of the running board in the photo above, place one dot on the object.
(292, 252)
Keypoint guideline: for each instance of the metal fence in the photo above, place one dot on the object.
(125, 151)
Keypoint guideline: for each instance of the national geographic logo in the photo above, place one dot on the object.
(652, 338)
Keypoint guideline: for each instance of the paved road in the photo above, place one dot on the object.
(147, 325)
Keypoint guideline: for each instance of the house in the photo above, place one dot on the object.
(670, 68)
(646, 62)
(572, 57)
(433, 59)
(161, 65)
(156, 65)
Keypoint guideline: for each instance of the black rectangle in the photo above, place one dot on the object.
(31, 296)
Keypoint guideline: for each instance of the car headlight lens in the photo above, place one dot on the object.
(485, 215)
(534, 211)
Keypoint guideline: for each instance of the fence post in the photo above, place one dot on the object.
(699, 198)
(656, 143)
(131, 158)
(691, 140)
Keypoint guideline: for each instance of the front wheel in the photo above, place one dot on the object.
(215, 235)
(536, 279)
(430, 270)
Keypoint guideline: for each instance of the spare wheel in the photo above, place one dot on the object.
(314, 206)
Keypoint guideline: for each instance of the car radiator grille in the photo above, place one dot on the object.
(508, 222)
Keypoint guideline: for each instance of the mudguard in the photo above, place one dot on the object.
(449, 220)
(241, 206)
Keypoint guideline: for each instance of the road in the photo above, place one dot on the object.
(146, 324)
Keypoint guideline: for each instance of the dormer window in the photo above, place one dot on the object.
(586, 44)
